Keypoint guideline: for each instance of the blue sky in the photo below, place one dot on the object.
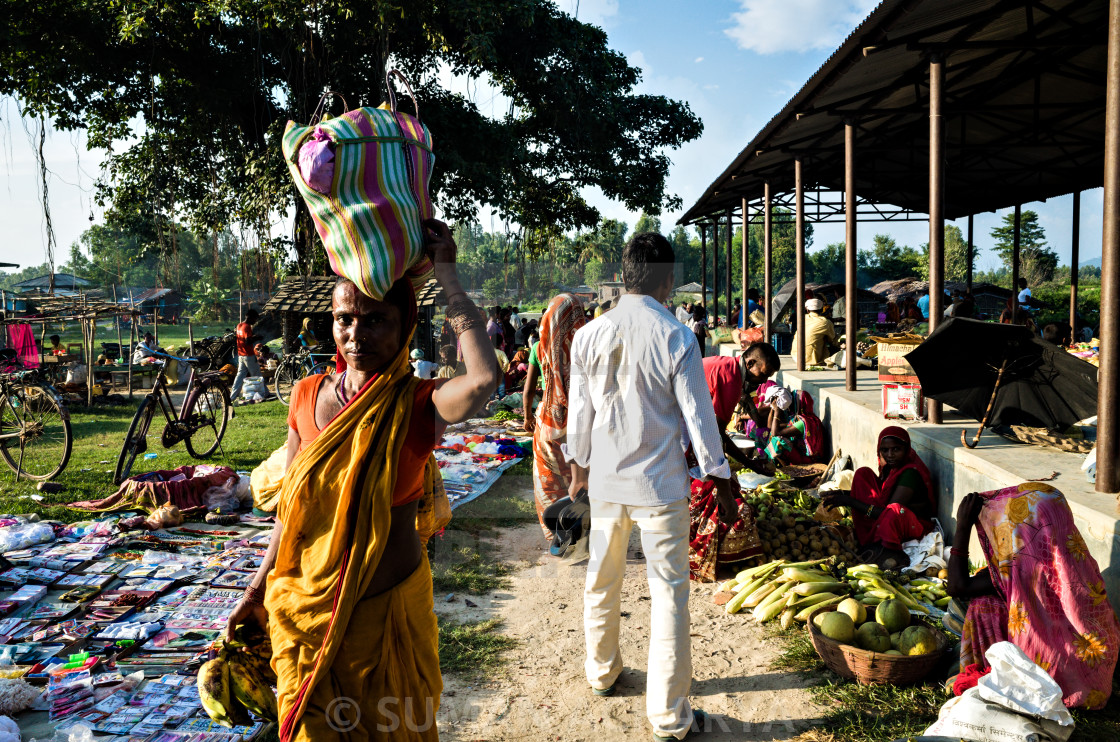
(735, 62)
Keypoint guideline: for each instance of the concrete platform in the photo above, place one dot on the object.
(853, 421)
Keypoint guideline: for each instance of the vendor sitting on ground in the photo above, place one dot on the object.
(820, 335)
(890, 507)
(1041, 591)
(731, 381)
(792, 433)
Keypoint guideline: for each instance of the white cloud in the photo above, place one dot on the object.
(773, 26)
(596, 12)
(699, 60)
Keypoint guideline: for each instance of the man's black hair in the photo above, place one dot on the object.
(251, 316)
(765, 353)
(1022, 282)
(647, 260)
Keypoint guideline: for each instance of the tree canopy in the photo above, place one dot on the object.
(1036, 261)
(212, 84)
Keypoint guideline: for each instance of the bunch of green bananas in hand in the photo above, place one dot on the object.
(237, 680)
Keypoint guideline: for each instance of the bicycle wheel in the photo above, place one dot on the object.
(322, 367)
(207, 409)
(286, 377)
(43, 424)
(136, 440)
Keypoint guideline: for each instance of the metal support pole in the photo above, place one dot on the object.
(131, 347)
(1073, 260)
(936, 209)
(703, 264)
(1015, 262)
(730, 263)
(1108, 419)
(971, 256)
(746, 265)
(799, 279)
(851, 309)
(767, 258)
(89, 361)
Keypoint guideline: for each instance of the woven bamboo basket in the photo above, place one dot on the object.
(874, 668)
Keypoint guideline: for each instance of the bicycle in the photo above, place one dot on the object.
(298, 365)
(215, 351)
(199, 424)
(35, 435)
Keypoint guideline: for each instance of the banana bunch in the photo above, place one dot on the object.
(871, 586)
(930, 591)
(803, 501)
(785, 591)
(237, 680)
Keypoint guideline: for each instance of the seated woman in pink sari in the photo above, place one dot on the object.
(892, 506)
(1041, 591)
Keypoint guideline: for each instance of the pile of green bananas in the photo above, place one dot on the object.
(239, 679)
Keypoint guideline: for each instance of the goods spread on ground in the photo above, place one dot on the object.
(108, 629)
(473, 455)
(1087, 351)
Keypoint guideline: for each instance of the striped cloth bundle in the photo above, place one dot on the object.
(369, 218)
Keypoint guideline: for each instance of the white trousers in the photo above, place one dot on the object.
(664, 531)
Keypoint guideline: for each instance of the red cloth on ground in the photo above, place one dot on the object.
(895, 524)
(725, 384)
(969, 678)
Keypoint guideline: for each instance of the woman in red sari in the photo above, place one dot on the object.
(892, 506)
(1042, 591)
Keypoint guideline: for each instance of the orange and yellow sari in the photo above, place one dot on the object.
(552, 475)
(350, 664)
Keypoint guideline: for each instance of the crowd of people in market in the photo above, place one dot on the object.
(635, 419)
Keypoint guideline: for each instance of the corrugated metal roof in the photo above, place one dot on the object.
(1024, 108)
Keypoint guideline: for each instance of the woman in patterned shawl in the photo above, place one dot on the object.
(551, 475)
(1041, 591)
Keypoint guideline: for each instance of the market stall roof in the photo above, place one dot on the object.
(303, 294)
(689, 288)
(904, 287)
(431, 295)
(783, 297)
(1023, 115)
(66, 281)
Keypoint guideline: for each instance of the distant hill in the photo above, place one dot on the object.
(1094, 263)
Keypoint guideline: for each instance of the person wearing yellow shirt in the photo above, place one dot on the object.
(820, 335)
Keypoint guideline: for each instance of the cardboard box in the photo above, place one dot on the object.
(892, 363)
(903, 402)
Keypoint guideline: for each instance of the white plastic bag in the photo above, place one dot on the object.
(24, 535)
(254, 385)
(1017, 683)
(223, 497)
(926, 553)
(243, 490)
(1017, 701)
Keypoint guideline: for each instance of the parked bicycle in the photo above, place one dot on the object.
(199, 424)
(215, 351)
(35, 435)
(298, 365)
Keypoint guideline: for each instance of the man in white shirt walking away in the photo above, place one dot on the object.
(636, 377)
(684, 312)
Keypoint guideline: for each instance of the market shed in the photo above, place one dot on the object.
(869, 303)
(299, 297)
(166, 302)
(990, 299)
(935, 109)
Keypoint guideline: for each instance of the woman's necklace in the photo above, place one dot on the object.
(340, 390)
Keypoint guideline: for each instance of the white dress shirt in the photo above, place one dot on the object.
(636, 378)
(683, 315)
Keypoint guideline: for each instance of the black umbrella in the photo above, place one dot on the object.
(1004, 375)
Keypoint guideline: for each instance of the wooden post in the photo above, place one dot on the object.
(1108, 420)
(1016, 236)
(767, 258)
(703, 264)
(131, 346)
(971, 256)
(851, 311)
(799, 280)
(715, 269)
(730, 262)
(936, 209)
(89, 361)
(155, 323)
(746, 265)
(1073, 269)
(190, 337)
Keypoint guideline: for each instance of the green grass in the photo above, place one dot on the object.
(879, 713)
(99, 432)
(471, 648)
(465, 558)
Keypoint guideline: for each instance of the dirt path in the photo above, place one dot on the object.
(541, 692)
